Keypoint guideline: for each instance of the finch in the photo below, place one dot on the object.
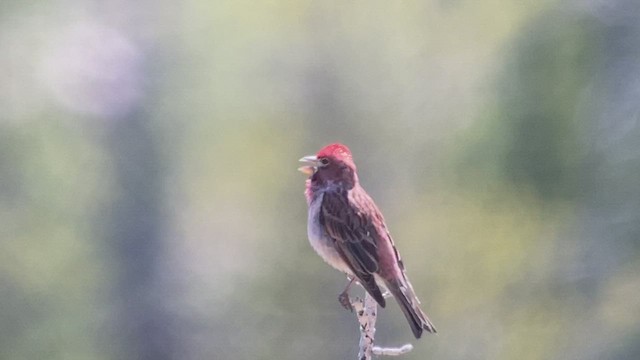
(346, 228)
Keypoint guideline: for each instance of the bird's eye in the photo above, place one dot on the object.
(324, 161)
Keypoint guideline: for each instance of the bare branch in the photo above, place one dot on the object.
(367, 311)
(392, 351)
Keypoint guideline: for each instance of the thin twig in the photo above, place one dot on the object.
(392, 351)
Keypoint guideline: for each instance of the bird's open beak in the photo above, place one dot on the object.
(311, 167)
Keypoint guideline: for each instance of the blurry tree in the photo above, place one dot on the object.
(133, 221)
(534, 132)
(564, 128)
(610, 223)
(541, 90)
(134, 229)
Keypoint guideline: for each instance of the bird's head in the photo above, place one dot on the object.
(333, 163)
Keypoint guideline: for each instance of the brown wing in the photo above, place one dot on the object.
(354, 238)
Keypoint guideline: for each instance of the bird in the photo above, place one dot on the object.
(348, 231)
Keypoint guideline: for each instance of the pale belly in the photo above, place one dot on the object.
(319, 239)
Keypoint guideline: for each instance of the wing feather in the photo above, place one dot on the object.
(354, 238)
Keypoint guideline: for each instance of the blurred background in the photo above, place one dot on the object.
(150, 206)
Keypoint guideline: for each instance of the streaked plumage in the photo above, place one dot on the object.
(348, 231)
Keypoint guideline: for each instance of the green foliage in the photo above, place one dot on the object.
(541, 93)
(150, 206)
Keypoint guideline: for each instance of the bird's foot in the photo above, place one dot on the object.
(344, 300)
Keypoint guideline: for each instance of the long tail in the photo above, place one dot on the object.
(410, 306)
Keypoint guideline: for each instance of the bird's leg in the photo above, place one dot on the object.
(343, 298)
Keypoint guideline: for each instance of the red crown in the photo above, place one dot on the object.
(336, 150)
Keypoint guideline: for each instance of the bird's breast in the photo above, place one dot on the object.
(320, 240)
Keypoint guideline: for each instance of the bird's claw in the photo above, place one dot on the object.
(344, 300)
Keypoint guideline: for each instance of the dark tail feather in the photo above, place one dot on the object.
(369, 284)
(410, 306)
